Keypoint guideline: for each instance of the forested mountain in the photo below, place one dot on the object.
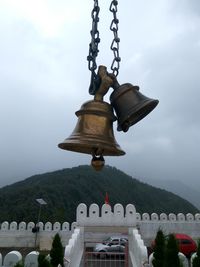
(63, 190)
(177, 187)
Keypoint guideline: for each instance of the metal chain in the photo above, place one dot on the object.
(93, 46)
(93, 49)
(115, 43)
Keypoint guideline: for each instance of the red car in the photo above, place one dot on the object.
(186, 244)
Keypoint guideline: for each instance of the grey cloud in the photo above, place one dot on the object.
(44, 81)
(187, 7)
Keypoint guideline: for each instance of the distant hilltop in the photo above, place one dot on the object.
(64, 190)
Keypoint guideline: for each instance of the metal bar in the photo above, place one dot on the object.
(104, 259)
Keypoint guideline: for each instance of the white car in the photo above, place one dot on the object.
(112, 244)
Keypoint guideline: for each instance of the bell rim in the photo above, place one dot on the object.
(147, 103)
(80, 145)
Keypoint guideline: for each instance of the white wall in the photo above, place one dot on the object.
(94, 216)
(148, 225)
(116, 219)
(20, 235)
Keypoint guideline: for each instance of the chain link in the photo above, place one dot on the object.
(93, 49)
(115, 43)
(93, 46)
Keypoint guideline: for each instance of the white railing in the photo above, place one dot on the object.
(192, 258)
(74, 250)
(137, 250)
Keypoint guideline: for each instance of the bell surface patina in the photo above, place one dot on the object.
(93, 133)
(130, 105)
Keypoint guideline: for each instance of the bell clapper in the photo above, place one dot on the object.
(97, 162)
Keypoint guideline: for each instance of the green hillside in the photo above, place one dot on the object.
(63, 190)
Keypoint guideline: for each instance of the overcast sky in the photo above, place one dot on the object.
(44, 80)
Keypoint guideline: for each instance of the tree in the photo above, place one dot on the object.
(171, 253)
(43, 261)
(19, 264)
(159, 250)
(57, 253)
(196, 260)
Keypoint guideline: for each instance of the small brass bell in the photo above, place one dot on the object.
(130, 105)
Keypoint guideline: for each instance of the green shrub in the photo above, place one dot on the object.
(171, 253)
(43, 261)
(196, 260)
(159, 250)
(57, 252)
(19, 264)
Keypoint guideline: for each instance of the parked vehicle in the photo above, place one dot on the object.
(186, 244)
(114, 244)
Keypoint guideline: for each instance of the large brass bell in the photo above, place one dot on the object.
(93, 133)
(130, 105)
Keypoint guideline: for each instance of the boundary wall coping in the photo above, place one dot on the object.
(94, 215)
